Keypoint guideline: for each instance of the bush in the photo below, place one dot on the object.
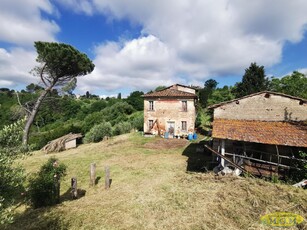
(98, 132)
(44, 187)
(91, 120)
(122, 127)
(137, 120)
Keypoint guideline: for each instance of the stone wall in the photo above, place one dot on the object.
(264, 108)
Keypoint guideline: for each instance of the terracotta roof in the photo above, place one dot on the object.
(255, 94)
(170, 93)
(272, 133)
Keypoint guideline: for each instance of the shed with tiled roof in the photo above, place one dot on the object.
(266, 122)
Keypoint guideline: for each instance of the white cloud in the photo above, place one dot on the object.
(79, 6)
(203, 38)
(143, 62)
(15, 66)
(21, 22)
(181, 41)
(304, 71)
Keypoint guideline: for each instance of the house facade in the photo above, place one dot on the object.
(265, 129)
(171, 111)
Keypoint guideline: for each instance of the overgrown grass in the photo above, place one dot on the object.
(152, 190)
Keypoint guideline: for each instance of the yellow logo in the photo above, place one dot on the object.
(281, 219)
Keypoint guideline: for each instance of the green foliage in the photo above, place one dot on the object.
(205, 93)
(137, 120)
(98, 132)
(203, 120)
(221, 94)
(122, 127)
(160, 87)
(291, 85)
(91, 120)
(117, 112)
(11, 174)
(97, 106)
(62, 62)
(253, 81)
(34, 88)
(44, 187)
(136, 100)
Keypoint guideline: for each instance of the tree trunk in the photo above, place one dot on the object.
(32, 115)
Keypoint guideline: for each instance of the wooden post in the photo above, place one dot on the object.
(57, 189)
(74, 189)
(223, 153)
(278, 160)
(107, 177)
(92, 174)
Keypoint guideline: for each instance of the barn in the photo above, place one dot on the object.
(265, 130)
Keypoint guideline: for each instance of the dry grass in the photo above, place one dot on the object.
(152, 190)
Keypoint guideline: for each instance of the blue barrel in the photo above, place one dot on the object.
(194, 136)
(190, 137)
(166, 135)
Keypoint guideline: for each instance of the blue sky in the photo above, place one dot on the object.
(141, 44)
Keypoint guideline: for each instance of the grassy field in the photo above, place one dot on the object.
(151, 189)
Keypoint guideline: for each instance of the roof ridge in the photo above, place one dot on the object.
(254, 94)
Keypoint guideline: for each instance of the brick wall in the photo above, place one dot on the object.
(170, 110)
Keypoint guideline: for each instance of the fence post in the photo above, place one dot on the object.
(107, 177)
(74, 189)
(92, 174)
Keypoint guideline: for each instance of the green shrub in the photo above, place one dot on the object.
(98, 132)
(44, 187)
(91, 120)
(137, 120)
(122, 127)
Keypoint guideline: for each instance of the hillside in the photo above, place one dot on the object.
(152, 190)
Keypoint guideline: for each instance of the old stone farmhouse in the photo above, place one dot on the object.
(170, 111)
(266, 129)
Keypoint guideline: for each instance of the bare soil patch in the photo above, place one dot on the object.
(167, 143)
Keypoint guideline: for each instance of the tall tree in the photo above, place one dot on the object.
(205, 93)
(136, 100)
(253, 81)
(59, 64)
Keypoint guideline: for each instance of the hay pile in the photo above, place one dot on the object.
(58, 144)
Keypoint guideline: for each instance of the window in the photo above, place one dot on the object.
(151, 105)
(150, 124)
(184, 106)
(184, 126)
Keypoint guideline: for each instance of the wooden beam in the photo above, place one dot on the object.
(226, 159)
(263, 161)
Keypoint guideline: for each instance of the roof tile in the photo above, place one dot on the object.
(274, 133)
(170, 93)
